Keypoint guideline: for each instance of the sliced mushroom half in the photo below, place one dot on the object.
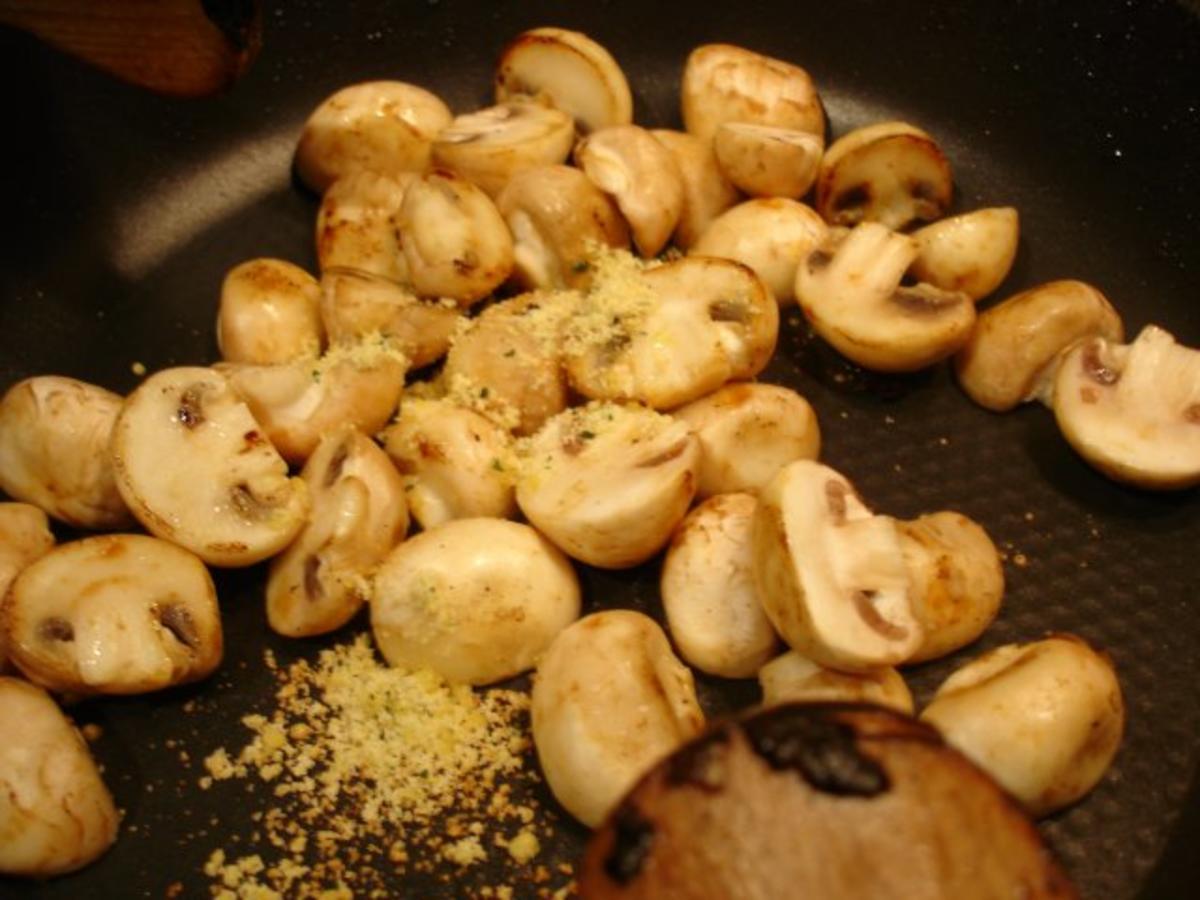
(892, 173)
(268, 313)
(849, 289)
(768, 162)
(793, 678)
(831, 575)
(569, 71)
(114, 614)
(972, 253)
(24, 537)
(1133, 410)
(358, 225)
(706, 191)
(197, 469)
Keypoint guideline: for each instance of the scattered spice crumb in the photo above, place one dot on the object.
(92, 732)
(1020, 560)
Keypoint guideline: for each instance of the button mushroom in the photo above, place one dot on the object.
(57, 815)
(972, 253)
(224, 493)
(640, 174)
(609, 700)
(768, 162)
(892, 173)
(831, 575)
(569, 71)
(378, 126)
(608, 483)
(1044, 719)
(792, 677)
(1133, 410)
(1016, 346)
(114, 614)
(849, 290)
(475, 600)
(54, 435)
(268, 313)
(358, 514)
(747, 433)
(706, 191)
(358, 225)
(24, 538)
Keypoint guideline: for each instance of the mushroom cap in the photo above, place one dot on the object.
(268, 313)
(768, 162)
(706, 191)
(358, 224)
(972, 252)
(792, 677)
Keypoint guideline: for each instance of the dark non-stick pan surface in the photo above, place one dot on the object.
(123, 211)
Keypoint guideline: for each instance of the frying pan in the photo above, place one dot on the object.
(124, 210)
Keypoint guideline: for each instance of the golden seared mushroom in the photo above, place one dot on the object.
(1133, 410)
(771, 236)
(892, 173)
(629, 164)
(768, 162)
(609, 701)
(1016, 346)
(358, 306)
(54, 436)
(708, 594)
(455, 463)
(956, 580)
(972, 253)
(358, 514)
(198, 470)
(356, 384)
(557, 217)
(24, 537)
(377, 126)
(569, 71)
(57, 816)
(475, 600)
(507, 363)
(849, 290)
(114, 614)
(455, 242)
(268, 313)
(831, 575)
(608, 483)
(792, 677)
(670, 334)
(706, 191)
(1044, 719)
(819, 800)
(490, 146)
(747, 433)
(358, 225)
(723, 83)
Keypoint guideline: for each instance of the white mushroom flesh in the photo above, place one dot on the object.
(972, 253)
(768, 162)
(358, 225)
(706, 191)
(24, 538)
(793, 678)
(268, 313)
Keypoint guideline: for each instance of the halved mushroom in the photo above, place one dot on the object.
(747, 433)
(609, 701)
(490, 146)
(475, 600)
(892, 173)
(771, 236)
(971, 253)
(114, 614)
(455, 242)
(454, 462)
(358, 515)
(24, 538)
(1133, 410)
(670, 334)
(377, 126)
(706, 191)
(1016, 346)
(723, 83)
(708, 594)
(792, 678)
(849, 289)
(831, 574)
(358, 306)
(956, 580)
(608, 483)
(56, 815)
(1044, 719)
(356, 384)
(768, 162)
(569, 71)
(628, 163)
(268, 313)
(196, 469)
(556, 216)
(358, 224)
(54, 435)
